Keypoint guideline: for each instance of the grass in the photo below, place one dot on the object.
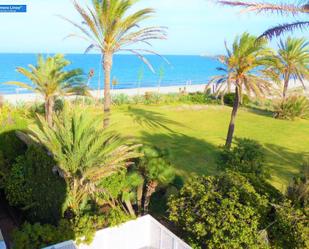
(193, 134)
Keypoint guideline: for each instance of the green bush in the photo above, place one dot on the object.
(292, 107)
(289, 228)
(32, 186)
(11, 146)
(298, 190)
(219, 212)
(247, 157)
(37, 236)
(229, 99)
(121, 99)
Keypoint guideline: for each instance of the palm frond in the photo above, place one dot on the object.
(284, 8)
(283, 28)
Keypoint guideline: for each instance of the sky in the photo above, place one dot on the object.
(195, 27)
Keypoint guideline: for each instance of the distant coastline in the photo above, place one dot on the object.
(32, 97)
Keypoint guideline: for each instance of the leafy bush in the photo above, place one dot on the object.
(246, 157)
(80, 229)
(290, 228)
(219, 212)
(121, 99)
(37, 236)
(152, 98)
(292, 107)
(298, 190)
(32, 185)
(229, 99)
(11, 146)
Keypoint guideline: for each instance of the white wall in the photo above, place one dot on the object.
(142, 233)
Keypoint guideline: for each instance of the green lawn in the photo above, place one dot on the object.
(193, 134)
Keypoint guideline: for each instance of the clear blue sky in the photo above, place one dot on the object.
(195, 26)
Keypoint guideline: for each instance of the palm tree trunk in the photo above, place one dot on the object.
(140, 189)
(130, 207)
(107, 66)
(230, 133)
(150, 189)
(49, 107)
(286, 85)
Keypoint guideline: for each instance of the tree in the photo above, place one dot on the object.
(298, 8)
(50, 80)
(85, 154)
(155, 171)
(243, 66)
(111, 26)
(291, 62)
(219, 212)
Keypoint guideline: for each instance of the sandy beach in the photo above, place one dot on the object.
(32, 97)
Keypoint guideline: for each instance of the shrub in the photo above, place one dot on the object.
(229, 99)
(121, 99)
(219, 212)
(32, 185)
(290, 228)
(152, 98)
(298, 190)
(11, 146)
(246, 157)
(37, 236)
(292, 107)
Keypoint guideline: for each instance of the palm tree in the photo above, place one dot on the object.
(49, 79)
(111, 26)
(292, 61)
(155, 171)
(298, 8)
(242, 64)
(85, 154)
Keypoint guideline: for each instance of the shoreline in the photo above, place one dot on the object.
(33, 97)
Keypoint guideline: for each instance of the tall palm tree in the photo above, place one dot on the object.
(291, 62)
(84, 152)
(299, 7)
(243, 64)
(111, 26)
(50, 79)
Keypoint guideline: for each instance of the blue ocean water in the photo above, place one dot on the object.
(128, 70)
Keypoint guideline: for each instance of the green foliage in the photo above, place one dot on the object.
(37, 236)
(229, 99)
(83, 151)
(290, 229)
(247, 157)
(121, 99)
(154, 167)
(292, 107)
(50, 79)
(117, 216)
(84, 227)
(219, 212)
(298, 190)
(32, 185)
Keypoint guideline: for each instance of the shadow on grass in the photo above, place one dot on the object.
(284, 162)
(188, 154)
(261, 112)
(151, 119)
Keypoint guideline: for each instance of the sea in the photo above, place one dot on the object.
(128, 70)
